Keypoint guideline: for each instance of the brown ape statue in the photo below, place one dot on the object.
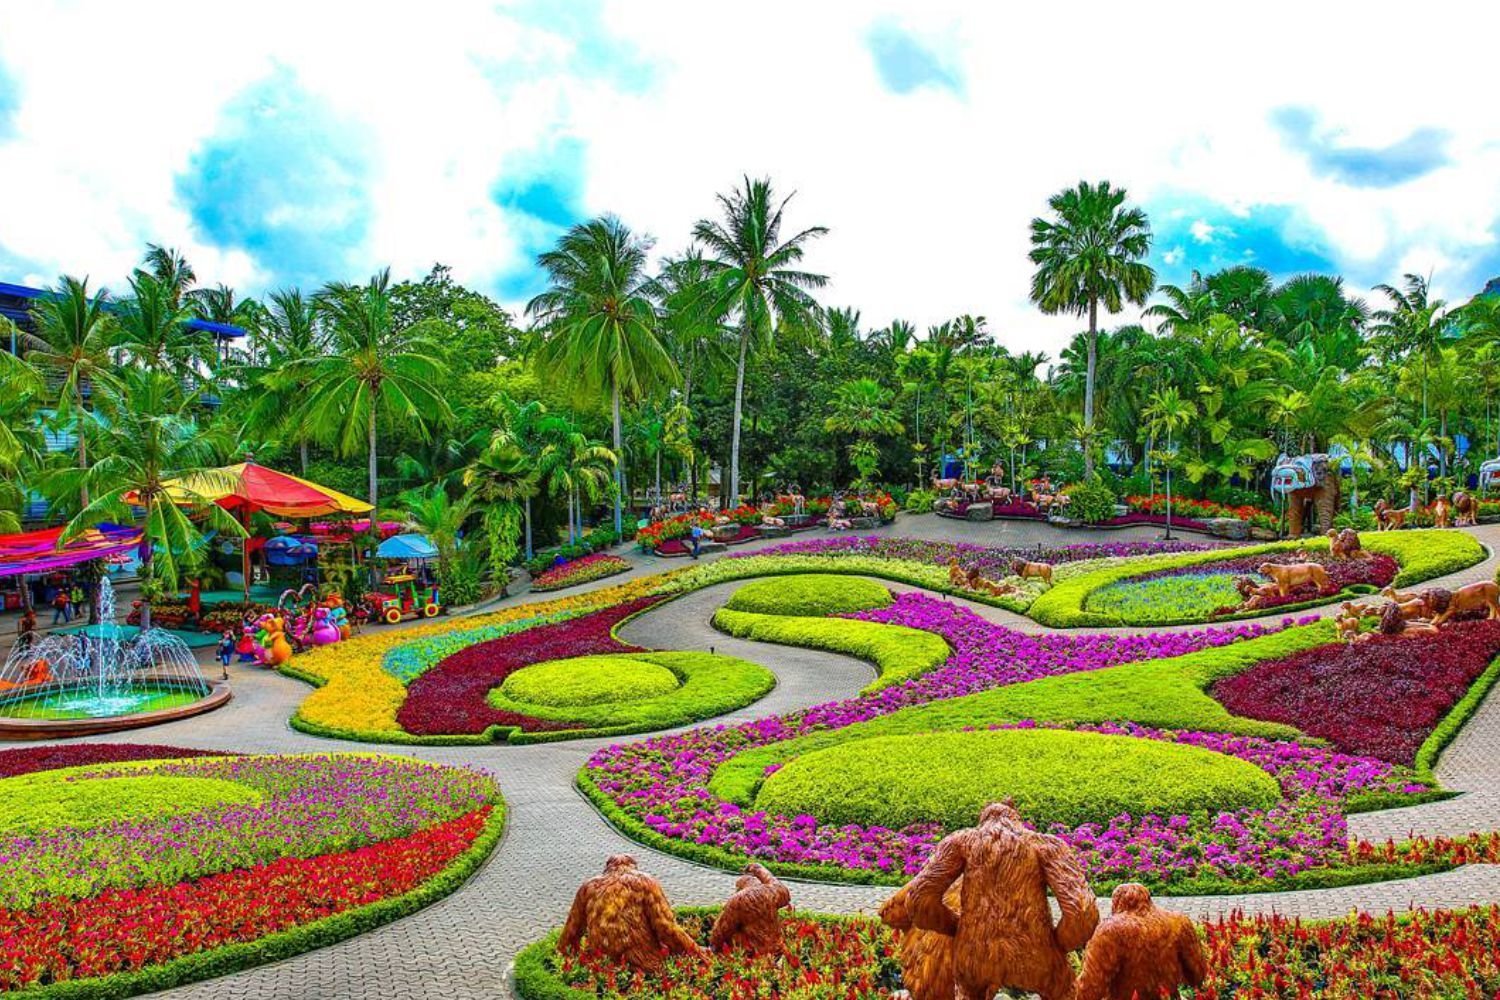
(1140, 952)
(1482, 596)
(1345, 544)
(1388, 518)
(1466, 506)
(1027, 570)
(1442, 512)
(1289, 576)
(624, 915)
(926, 956)
(751, 920)
(1005, 938)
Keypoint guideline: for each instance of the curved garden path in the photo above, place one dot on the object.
(462, 946)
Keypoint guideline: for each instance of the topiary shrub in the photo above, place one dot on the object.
(1091, 501)
(919, 502)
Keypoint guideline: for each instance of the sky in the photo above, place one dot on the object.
(282, 144)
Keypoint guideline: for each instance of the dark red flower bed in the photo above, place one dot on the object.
(449, 699)
(683, 546)
(1136, 517)
(1380, 697)
(27, 760)
(123, 930)
(1022, 509)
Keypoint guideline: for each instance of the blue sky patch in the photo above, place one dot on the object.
(1418, 154)
(10, 100)
(541, 195)
(905, 64)
(284, 178)
(594, 53)
(1193, 234)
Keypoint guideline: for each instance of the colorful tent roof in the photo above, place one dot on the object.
(249, 487)
(38, 551)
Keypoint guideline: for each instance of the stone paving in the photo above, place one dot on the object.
(462, 946)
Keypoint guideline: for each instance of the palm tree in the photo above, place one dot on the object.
(523, 429)
(753, 278)
(374, 369)
(862, 407)
(1414, 326)
(151, 439)
(502, 475)
(152, 331)
(441, 518)
(1090, 254)
(71, 349)
(1167, 414)
(574, 466)
(599, 322)
(293, 342)
(172, 270)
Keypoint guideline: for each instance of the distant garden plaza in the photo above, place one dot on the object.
(687, 635)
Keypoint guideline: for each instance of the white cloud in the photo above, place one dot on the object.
(927, 194)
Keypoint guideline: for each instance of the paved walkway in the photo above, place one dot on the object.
(462, 946)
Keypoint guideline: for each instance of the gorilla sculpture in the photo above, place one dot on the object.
(624, 915)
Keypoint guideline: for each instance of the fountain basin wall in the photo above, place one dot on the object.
(24, 728)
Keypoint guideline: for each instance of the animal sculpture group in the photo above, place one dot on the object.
(1459, 511)
(974, 921)
(1410, 613)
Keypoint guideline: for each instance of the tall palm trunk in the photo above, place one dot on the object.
(374, 508)
(304, 458)
(734, 443)
(687, 404)
(148, 554)
(83, 452)
(1088, 389)
(528, 527)
(619, 464)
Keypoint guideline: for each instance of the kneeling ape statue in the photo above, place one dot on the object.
(1003, 936)
(1141, 952)
(624, 915)
(926, 957)
(751, 920)
(1345, 544)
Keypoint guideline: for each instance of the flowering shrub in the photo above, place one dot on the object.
(1380, 697)
(29, 760)
(585, 570)
(1201, 510)
(1441, 955)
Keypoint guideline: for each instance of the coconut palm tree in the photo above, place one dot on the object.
(1414, 327)
(71, 350)
(1090, 254)
(172, 270)
(755, 282)
(374, 370)
(151, 329)
(441, 518)
(151, 438)
(862, 407)
(280, 385)
(1168, 414)
(599, 323)
(502, 477)
(574, 466)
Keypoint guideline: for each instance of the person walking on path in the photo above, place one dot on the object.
(696, 535)
(62, 606)
(26, 629)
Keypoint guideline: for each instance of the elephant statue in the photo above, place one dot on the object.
(1310, 486)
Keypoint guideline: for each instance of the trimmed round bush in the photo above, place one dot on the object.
(35, 803)
(1054, 776)
(589, 680)
(809, 594)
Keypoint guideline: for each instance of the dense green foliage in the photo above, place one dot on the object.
(898, 653)
(810, 595)
(1054, 776)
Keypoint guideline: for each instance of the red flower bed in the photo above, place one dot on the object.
(124, 930)
(1381, 697)
(28, 760)
(450, 698)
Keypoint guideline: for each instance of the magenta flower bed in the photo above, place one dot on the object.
(449, 699)
(993, 562)
(1136, 517)
(585, 570)
(1381, 697)
(663, 782)
(27, 760)
(683, 546)
(1015, 509)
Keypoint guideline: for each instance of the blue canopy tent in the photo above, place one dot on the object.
(407, 546)
(287, 550)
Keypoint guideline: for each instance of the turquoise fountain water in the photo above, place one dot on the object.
(106, 671)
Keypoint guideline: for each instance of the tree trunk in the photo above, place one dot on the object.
(728, 500)
(304, 458)
(1088, 389)
(528, 528)
(374, 507)
(619, 463)
(83, 455)
(147, 558)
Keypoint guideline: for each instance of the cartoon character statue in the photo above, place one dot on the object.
(246, 648)
(338, 614)
(275, 649)
(324, 632)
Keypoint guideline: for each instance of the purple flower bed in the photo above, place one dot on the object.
(663, 782)
(993, 562)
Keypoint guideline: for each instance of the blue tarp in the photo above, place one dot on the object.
(408, 546)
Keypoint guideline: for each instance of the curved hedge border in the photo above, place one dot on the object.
(1422, 555)
(283, 944)
(897, 652)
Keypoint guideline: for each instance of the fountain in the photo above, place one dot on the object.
(105, 678)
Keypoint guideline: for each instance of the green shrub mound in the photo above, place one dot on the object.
(898, 653)
(35, 803)
(1054, 776)
(703, 685)
(811, 595)
(589, 680)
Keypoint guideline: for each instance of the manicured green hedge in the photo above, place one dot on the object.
(705, 685)
(588, 680)
(1437, 741)
(1162, 694)
(810, 595)
(1054, 776)
(899, 653)
(1422, 555)
(283, 944)
(33, 803)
